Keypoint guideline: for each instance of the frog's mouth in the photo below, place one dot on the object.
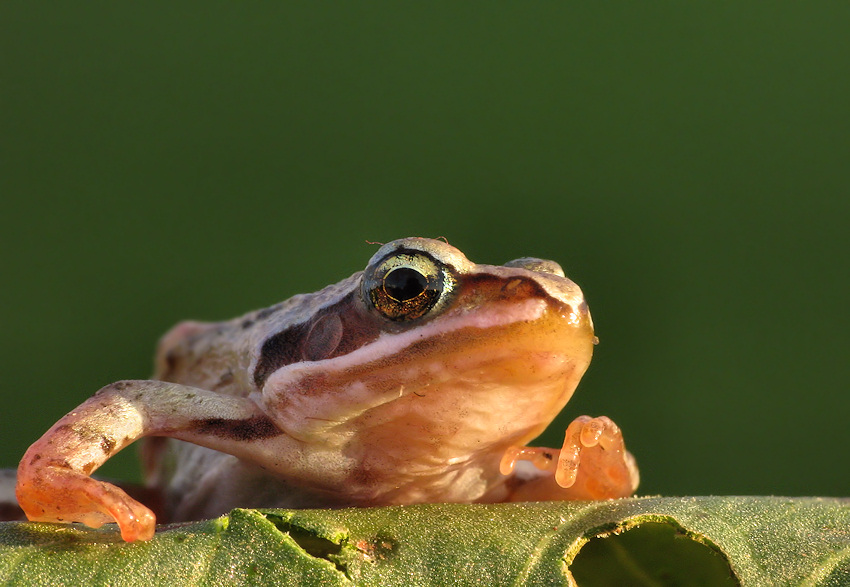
(497, 375)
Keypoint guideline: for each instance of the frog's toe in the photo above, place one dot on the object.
(135, 521)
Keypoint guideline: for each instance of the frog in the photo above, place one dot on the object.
(420, 379)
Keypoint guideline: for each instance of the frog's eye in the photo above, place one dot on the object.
(406, 285)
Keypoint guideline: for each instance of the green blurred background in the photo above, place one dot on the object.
(686, 162)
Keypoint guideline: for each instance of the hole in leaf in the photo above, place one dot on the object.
(652, 553)
(314, 545)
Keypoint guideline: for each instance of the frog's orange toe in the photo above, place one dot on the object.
(136, 521)
(139, 525)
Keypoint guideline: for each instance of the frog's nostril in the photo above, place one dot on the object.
(538, 265)
(511, 286)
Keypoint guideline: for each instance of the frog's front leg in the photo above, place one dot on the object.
(592, 464)
(53, 476)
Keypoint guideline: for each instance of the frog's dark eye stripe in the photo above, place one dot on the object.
(336, 330)
(406, 285)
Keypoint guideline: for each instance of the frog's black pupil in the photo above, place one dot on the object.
(404, 284)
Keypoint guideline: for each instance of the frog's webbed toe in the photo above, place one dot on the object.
(592, 464)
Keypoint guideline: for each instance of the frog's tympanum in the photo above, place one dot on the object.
(419, 379)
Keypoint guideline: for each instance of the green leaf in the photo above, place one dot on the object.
(638, 541)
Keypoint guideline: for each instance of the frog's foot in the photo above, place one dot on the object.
(592, 464)
(55, 493)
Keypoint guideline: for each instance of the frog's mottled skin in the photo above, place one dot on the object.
(418, 380)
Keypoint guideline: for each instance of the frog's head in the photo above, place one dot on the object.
(427, 346)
